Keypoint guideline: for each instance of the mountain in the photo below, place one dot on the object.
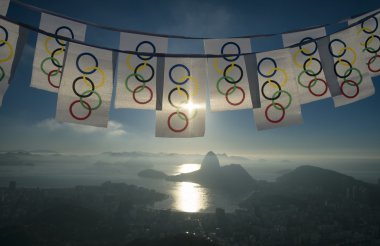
(232, 178)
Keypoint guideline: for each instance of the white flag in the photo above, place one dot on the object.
(137, 74)
(280, 104)
(353, 76)
(367, 34)
(4, 5)
(49, 55)
(9, 37)
(183, 107)
(227, 76)
(86, 89)
(307, 66)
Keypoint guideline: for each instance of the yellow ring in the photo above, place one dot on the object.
(102, 73)
(11, 51)
(132, 69)
(347, 49)
(48, 38)
(295, 55)
(285, 77)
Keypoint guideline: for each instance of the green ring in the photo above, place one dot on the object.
(218, 84)
(299, 79)
(138, 75)
(275, 94)
(353, 69)
(88, 92)
(43, 62)
(190, 118)
(2, 73)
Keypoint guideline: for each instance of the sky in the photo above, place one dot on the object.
(27, 115)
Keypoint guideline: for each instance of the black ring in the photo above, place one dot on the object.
(56, 33)
(148, 57)
(80, 95)
(6, 35)
(138, 77)
(374, 30)
(53, 58)
(234, 58)
(226, 78)
(271, 98)
(366, 44)
(307, 70)
(306, 40)
(170, 96)
(345, 75)
(339, 41)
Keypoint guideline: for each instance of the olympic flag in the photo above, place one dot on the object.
(137, 74)
(86, 89)
(10, 50)
(183, 106)
(310, 77)
(280, 104)
(227, 76)
(49, 55)
(4, 5)
(353, 76)
(367, 34)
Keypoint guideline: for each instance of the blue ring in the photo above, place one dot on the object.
(274, 63)
(6, 35)
(339, 41)
(171, 77)
(226, 57)
(87, 54)
(60, 28)
(142, 57)
(304, 40)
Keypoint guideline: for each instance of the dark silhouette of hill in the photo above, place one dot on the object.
(231, 178)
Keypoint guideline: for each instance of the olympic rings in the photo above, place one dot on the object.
(234, 58)
(183, 116)
(179, 66)
(228, 93)
(351, 83)
(54, 60)
(274, 66)
(341, 61)
(311, 85)
(6, 36)
(43, 63)
(144, 65)
(278, 93)
(372, 60)
(281, 117)
(53, 73)
(138, 89)
(309, 71)
(90, 55)
(11, 51)
(342, 51)
(102, 73)
(148, 57)
(218, 86)
(77, 117)
(90, 92)
(228, 69)
(178, 90)
(2, 73)
(86, 80)
(365, 29)
(306, 40)
(372, 50)
(63, 28)
(270, 98)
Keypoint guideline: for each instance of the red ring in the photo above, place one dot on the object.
(316, 94)
(282, 116)
(355, 84)
(238, 103)
(140, 102)
(179, 130)
(371, 61)
(49, 75)
(80, 118)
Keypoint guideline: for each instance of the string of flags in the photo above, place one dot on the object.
(275, 84)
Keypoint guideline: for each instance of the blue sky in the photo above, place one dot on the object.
(27, 115)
